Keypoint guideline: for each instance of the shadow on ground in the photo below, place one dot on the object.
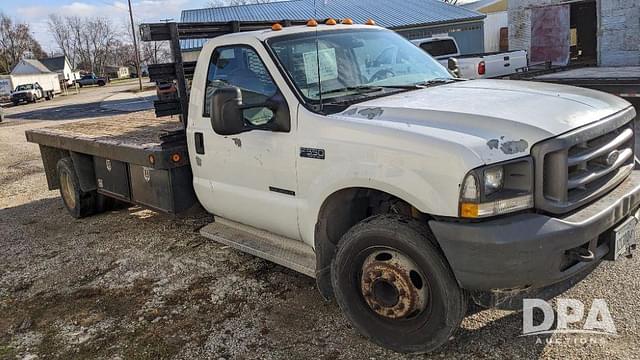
(84, 111)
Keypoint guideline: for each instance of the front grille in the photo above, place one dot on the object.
(576, 168)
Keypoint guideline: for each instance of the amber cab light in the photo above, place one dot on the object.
(331, 22)
(276, 27)
(312, 23)
(370, 22)
(347, 21)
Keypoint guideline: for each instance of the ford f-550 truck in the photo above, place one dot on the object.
(404, 191)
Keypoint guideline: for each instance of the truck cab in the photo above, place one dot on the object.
(324, 153)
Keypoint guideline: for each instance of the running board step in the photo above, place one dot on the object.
(289, 253)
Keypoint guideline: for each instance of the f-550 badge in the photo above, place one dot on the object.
(312, 153)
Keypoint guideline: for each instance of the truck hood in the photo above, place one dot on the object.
(496, 119)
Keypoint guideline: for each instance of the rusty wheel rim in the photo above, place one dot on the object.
(67, 190)
(392, 285)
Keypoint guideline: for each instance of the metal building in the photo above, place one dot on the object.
(602, 32)
(414, 19)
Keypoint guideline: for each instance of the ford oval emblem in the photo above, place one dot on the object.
(613, 157)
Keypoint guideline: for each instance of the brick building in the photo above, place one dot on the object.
(602, 32)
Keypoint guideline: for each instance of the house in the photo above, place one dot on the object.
(602, 32)
(414, 19)
(29, 67)
(62, 66)
(496, 24)
(117, 72)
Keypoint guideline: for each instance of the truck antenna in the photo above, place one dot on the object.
(315, 15)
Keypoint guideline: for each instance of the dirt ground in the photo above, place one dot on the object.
(135, 284)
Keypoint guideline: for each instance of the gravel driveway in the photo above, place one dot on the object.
(137, 284)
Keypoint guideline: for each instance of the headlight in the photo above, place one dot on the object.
(497, 189)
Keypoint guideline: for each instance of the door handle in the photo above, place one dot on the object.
(199, 143)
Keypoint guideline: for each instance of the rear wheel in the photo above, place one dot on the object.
(79, 204)
(101, 83)
(394, 285)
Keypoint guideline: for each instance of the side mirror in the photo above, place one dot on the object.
(226, 112)
(454, 66)
(229, 116)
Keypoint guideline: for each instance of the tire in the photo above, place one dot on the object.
(78, 203)
(379, 277)
(16, 103)
(101, 83)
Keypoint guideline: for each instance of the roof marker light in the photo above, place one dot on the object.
(276, 27)
(347, 21)
(370, 22)
(331, 21)
(312, 23)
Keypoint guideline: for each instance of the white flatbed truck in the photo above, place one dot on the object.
(404, 191)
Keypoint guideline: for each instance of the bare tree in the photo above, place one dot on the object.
(87, 42)
(16, 42)
(63, 36)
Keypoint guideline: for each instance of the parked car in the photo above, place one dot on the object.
(30, 93)
(473, 66)
(92, 79)
(403, 190)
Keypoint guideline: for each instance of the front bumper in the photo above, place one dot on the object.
(529, 251)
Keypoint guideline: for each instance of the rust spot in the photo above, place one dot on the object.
(514, 147)
(508, 147)
(237, 141)
(371, 113)
(351, 112)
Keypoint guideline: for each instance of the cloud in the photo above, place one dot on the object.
(116, 10)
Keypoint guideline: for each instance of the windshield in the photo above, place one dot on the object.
(24, 87)
(352, 61)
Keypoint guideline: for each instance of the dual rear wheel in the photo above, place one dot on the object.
(79, 203)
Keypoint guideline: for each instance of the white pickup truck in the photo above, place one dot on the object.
(473, 66)
(30, 93)
(404, 191)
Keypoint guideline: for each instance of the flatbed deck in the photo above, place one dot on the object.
(129, 138)
(595, 73)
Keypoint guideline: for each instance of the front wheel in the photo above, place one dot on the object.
(394, 285)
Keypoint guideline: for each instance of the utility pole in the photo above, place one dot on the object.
(135, 45)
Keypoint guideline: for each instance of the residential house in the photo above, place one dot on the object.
(62, 66)
(117, 72)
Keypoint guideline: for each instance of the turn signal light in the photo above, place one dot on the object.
(469, 210)
(152, 159)
(370, 22)
(331, 21)
(312, 23)
(347, 21)
(176, 157)
(276, 27)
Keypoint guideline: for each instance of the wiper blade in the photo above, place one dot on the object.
(358, 89)
(438, 81)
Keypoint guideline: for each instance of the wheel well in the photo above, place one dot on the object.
(341, 211)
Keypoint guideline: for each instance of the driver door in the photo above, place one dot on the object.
(251, 176)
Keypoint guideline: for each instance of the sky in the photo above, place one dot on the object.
(35, 12)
